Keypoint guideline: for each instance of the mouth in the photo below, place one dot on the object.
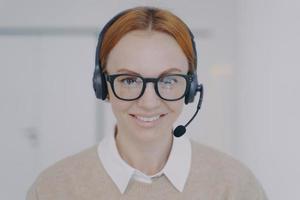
(147, 121)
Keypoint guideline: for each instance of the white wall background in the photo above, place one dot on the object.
(248, 62)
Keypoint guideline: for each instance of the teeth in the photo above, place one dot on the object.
(148, 119)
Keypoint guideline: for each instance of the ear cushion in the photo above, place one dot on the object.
(99, 84)
(193, 85)
(192, 89)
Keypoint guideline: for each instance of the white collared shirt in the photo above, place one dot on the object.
(176, 169)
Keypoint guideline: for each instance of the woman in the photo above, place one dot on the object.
(146, 69)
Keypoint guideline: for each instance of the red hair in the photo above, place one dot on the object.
(148, 18)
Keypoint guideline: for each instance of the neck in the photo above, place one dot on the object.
(148, 157)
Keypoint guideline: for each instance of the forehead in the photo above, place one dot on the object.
(148, 53)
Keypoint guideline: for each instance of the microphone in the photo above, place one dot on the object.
(180, 130)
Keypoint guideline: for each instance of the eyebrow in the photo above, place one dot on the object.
(163, 73)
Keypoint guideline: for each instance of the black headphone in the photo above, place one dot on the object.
(99, 81)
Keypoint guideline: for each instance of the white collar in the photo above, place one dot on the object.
(176, 169)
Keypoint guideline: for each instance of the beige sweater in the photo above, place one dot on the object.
(213, 176)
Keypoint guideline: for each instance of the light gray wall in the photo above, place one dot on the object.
(268, 93)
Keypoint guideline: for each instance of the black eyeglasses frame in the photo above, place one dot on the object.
(188, 77)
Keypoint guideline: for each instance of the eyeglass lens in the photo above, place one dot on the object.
(169, 87)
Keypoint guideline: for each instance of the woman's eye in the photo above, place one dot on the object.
(169, 80)
(129, 81)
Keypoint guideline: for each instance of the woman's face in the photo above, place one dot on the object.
(149, 54)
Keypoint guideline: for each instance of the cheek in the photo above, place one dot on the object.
(118, 106)
(176, 106)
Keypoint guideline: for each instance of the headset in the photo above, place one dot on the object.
(99, 80)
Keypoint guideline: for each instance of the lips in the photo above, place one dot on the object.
(147, 121)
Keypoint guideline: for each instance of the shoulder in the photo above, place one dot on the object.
(208, 156)
(71, 164)
(223, 171)
(69, 173)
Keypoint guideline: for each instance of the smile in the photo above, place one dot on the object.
(148, 119)
(151, 120)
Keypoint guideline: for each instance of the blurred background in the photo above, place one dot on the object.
(248, 52)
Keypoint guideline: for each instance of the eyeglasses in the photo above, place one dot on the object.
(169, 87)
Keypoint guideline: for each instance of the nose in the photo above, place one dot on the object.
(149, 100)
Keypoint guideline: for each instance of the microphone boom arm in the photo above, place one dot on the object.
(199, 89)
